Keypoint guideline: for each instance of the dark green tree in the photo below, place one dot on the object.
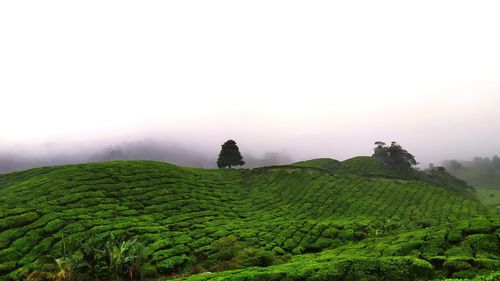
(495, 162)
(230, 155)
(381, 152)
(394, 156)
(453, 166)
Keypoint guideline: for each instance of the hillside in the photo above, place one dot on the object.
(361, 165)
(479, 177)
(322, 163)
(483, 174)
(371, 167)
(466, 250)
(288, 215)
(480, 172)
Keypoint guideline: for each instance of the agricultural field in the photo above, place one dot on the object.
(480, 177)
(319, 220)
(361, 165)
(484, 175)
(490, 197)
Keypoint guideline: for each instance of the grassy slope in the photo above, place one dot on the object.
(180, 212)
(371, 167)
(467, 250)
(323, 163)
(489, 197)
(361, 165)
(486, 183)
(479, 177)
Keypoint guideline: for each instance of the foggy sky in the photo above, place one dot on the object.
(303, 79)
(147, 149)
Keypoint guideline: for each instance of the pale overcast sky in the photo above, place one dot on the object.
(310, 78)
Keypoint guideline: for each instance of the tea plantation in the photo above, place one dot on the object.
(319, 220)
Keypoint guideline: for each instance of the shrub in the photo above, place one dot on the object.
(484, 245)
(278, 251)
(172, 264)
(454, 235)
(227, 248)
(454, 265)
(255, 257)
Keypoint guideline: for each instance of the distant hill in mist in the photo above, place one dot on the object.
(139, 150)
(479, 172)
(315, 220)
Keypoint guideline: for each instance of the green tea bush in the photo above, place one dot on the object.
(172, 264)
(483, 245)
(193, 220)
(256, 257)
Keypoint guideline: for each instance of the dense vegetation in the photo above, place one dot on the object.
(372, 167)
(467, 250)
(105, 258)
(480, 172)
(483, 174)
(296, 222)
(394, 156)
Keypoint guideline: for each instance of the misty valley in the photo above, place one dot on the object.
(249, 140)
(375, 217)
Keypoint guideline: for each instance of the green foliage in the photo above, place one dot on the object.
(483, 174)
(227, 248)
(480, 172)
(322, 163)
(361, 165)
(394, 156)
(274, 222)
(99, 259)
(172, 264)
(410, 259)
(439, 176)
(230, 155)
(489, 197)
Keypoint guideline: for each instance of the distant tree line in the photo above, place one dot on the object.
(477, 162)
(398, 158)
(480, 172)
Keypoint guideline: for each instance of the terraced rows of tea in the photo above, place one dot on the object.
(361, 165)
(465, 250)
(182, 214)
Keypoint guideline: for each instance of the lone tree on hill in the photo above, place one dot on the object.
(394, 156)
(230, 155)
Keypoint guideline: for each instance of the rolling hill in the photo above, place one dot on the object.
(481, 173)
(305, 222)
(361, 165)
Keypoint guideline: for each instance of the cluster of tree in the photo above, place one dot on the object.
(395, 156)
(480, 172)
(486, 162)
(477, 162)
(402, 161)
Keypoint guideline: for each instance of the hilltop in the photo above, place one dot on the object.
(300, 220)
(361, 165)
(371, 167)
